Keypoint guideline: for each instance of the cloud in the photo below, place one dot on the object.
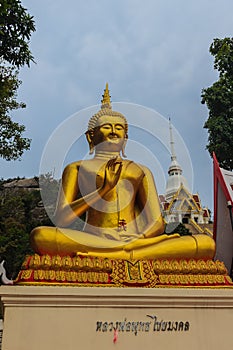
(153, 53)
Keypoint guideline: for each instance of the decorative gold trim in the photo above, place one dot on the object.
(132, 272)
(66, 276)
(191, 279)
(56, 262)
(189, 266)
(93, 271)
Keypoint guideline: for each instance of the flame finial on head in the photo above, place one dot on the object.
(106, 109)
(106, 102)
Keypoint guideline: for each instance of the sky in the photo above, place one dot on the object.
(154, 55)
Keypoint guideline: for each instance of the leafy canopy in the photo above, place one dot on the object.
(219, 100)
(16, 27)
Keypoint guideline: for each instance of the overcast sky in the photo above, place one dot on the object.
(152, 53)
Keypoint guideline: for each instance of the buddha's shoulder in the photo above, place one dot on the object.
(136, 166)
(84, 164)
(73, 166)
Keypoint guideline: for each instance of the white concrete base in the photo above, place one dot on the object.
(67, 318)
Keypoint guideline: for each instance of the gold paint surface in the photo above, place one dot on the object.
(93, 271)
(120, 201)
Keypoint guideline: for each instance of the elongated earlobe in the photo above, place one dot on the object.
(91, 148)
(123, 149)
(89, 136)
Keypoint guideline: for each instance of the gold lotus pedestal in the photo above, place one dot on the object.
(103, 272)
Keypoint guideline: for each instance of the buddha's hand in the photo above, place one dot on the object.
(112, 173)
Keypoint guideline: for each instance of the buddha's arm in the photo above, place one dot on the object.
(148, 197)
(69, 207)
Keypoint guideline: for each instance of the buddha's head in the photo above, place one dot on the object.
(107, 129)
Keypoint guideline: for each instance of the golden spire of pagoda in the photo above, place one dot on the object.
(106, 102)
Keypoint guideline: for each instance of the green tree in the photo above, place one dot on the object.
(219, 100)
(16, 27)
(177, 227)
(20, 212)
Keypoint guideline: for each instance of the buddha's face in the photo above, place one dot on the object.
(109, 133)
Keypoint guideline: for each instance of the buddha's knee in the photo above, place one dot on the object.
(41, 237)
(205, 246)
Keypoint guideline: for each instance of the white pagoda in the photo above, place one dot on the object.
(178, 203)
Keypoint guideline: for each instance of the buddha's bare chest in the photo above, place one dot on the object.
(92, 176)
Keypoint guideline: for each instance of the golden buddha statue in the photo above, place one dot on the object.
(120, 201)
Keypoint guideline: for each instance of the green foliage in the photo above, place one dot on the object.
(16, 27)
(12, 144)
(219, 100)
(176, 227)
(20, 212)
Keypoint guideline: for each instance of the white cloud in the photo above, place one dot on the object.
(153, 53)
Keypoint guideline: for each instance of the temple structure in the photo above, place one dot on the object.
(178, 203)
